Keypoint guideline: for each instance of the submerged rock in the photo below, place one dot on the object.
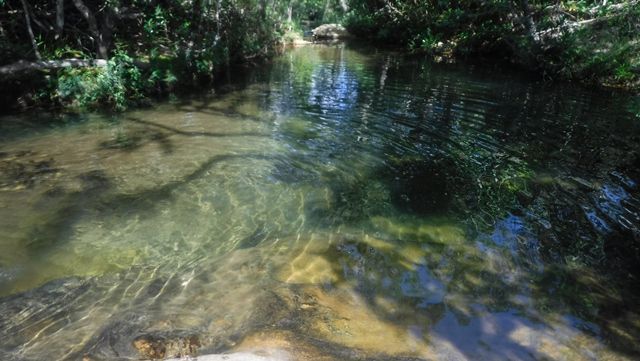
(318, 297)
(330, 31)
(22, 170)
(258, 355)
(161, 347)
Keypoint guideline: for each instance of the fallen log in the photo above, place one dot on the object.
(23, 65)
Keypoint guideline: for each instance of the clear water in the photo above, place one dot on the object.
(341, 203)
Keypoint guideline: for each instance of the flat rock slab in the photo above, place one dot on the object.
(257, 355)
(330, 31)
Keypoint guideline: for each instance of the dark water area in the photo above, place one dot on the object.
(340, 202)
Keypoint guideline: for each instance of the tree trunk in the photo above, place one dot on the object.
(217, 18)
(59, 17)
(32, 37)
(102, 47)
(344, 5)
(529, 24)
(106, 31)
(197, 16)
(326, 9)
(263, 9)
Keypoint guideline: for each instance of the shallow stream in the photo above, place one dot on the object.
(339, 203)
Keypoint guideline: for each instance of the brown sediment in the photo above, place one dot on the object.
(153, 349)
(284, 340)
(340, 315)
(343, 317)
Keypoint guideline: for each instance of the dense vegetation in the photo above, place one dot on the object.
(147, 46)
(589, 40)
(112, 53)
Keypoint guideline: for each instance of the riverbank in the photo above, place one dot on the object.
(124, 82)
(106, 55)
(116, 84)
(588, 42)
(99, 55)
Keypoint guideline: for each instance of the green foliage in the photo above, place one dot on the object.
(424, 41)
(116, 86)
(361, 23)
(156, 24)
(186, 43)
(606, 54)
(291, 36)
(421, 25)
(623, 72)
(603, 49)
(180, 44)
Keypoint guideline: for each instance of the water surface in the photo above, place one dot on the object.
(340, 203)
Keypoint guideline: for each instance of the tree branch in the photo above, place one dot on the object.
(27, 18)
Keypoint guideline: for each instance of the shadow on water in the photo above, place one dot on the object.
(131, 140)
(195, 133)
(57, 208)
(96, 194)
(231, 105)
(17, 173)
(65, 208)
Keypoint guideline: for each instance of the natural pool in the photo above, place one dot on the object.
(339, 203)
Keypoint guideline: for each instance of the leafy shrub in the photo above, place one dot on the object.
(116, 85)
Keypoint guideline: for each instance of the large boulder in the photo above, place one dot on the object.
(330, 31)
